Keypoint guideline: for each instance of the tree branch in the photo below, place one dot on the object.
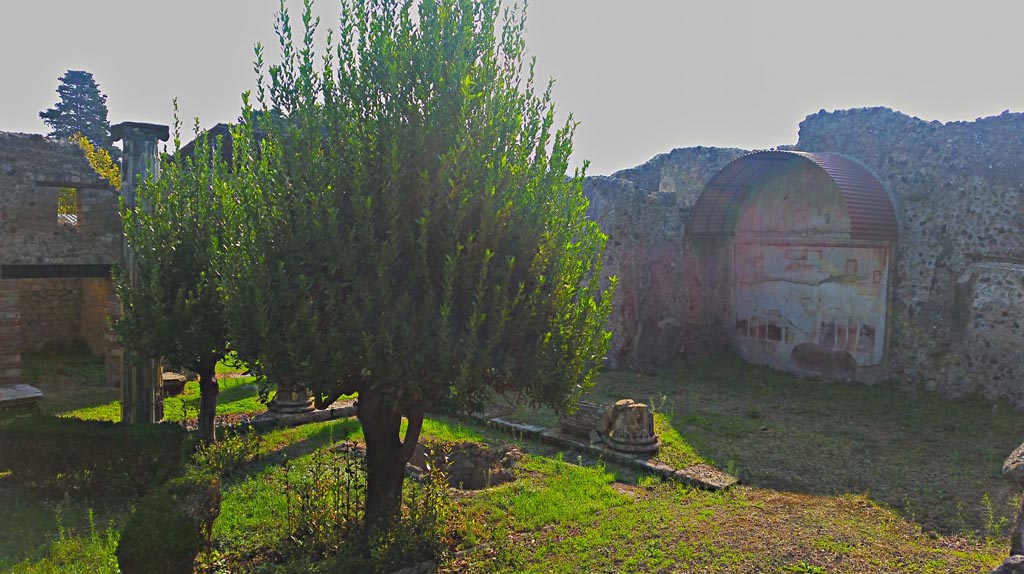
(412, 432)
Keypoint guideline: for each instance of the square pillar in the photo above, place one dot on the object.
(10, 334)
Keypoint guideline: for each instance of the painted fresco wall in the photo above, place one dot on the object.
(811, 308)
(805, 297)
(955, 321)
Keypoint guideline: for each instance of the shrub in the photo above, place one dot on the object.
(325, 496)
(428, 527)
(230, 454)
(158, 538)
(55, 457)
(172, 524)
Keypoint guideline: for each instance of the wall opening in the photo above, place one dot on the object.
(68, 208)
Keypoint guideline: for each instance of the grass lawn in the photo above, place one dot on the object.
(836, 478)
(74, 386)
(934, 460)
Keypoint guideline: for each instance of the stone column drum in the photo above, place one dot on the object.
(291, 398)
(630, 427)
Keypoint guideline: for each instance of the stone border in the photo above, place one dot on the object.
(702, 476)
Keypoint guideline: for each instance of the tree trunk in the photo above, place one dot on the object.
(386, 455)
(208, 391)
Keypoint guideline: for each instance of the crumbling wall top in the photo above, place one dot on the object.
(33, 171)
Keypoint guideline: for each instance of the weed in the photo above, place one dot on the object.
(995, 524)
(93, 552)
(429, 528)
(829, 544)
(648, 481)
(803, 567)
(324, 498)
(230, 453)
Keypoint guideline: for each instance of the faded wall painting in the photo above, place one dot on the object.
(818, 308)
(809, 275)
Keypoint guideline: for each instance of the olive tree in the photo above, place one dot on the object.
(407, 226)
(176, 232)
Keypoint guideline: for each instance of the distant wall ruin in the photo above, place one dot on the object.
(956, 290)
(55, 284)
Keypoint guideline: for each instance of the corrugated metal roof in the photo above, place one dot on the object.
(871, 212)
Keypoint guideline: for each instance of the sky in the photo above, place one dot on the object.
(640, 76)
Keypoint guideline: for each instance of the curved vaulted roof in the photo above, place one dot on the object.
(871, 212)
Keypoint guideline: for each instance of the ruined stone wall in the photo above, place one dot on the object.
(43, 297)
(96, 291)
(665, 304)
(957, 295)
(33, 169)
(51, 311)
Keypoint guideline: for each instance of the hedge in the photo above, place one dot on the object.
(54, 456)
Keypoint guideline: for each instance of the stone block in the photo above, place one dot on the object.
(19, 395)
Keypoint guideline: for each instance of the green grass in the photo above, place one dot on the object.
(558, 493)
(932, 459)
(91, 552)
(669, 528)
(836, 478)
(237, 395)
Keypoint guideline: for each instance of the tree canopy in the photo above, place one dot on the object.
(408, 229)
(82, 108)
(176, 231)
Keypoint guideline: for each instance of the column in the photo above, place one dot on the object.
(141, 388)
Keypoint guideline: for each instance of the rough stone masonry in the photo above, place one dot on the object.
(956, 276)
(955, 289)
(55, 283)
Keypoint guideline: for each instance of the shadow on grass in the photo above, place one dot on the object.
(290, 443)
(70, 378)
(231, 390)
(935, 461)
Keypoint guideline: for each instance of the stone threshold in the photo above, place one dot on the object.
(19, 396)
(703, 476)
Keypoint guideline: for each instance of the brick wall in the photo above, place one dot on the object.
(51, 311)
(32, 171)
(93, 319)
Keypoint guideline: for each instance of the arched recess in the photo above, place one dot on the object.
(810, 237)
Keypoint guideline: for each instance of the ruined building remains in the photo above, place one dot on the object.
(880, 247)
(55, 269)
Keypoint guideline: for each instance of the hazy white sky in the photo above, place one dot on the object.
(641, 76)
